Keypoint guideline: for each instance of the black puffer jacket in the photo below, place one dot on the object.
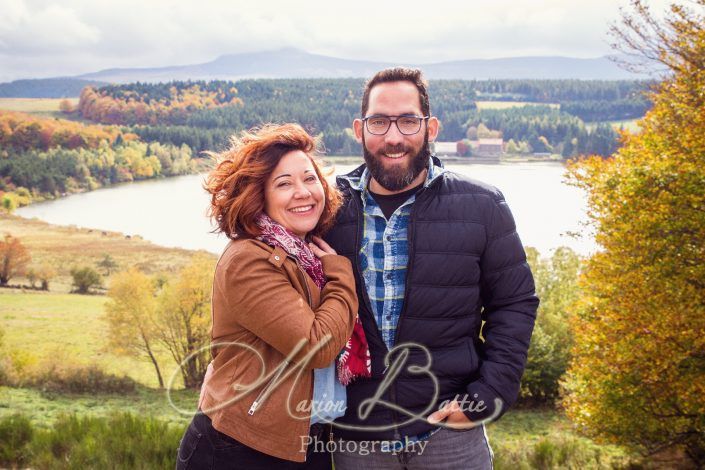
(466, 264)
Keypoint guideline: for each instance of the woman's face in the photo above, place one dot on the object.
(293, 194)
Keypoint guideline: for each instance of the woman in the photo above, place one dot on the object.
(284, 304)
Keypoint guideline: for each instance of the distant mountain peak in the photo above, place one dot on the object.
(291, 62)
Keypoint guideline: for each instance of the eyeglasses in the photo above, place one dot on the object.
(407, 124)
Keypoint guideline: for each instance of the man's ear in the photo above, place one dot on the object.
(433, 127)
(357, 128)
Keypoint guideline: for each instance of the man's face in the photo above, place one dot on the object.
(396, 160)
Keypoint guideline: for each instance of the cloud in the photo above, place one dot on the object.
(47, 30)
(44, 38)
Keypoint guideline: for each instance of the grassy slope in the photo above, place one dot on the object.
(64, 247)
(68, 327)
(57, 324)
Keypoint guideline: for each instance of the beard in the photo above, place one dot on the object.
(397, 177)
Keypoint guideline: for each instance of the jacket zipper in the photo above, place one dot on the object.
(260, 397)
(410, 238)
(360, 279)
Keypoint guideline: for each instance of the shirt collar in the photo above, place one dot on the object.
(360, 182)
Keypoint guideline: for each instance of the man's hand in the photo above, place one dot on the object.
(452, 417)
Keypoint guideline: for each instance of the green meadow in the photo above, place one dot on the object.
(47, 328)
(511, 104)
(40, 106)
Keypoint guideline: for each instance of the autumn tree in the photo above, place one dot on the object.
(66, 107)
(14, 259)
(108, 263)
(31, 276)
(185, 318)
(85, 279)
(9, 202)
(45, 273)
(638, 372)
(131, 317)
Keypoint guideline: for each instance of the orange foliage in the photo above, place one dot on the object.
(27, 132)
(133, 108)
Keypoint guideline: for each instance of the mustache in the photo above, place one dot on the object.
(398, 148)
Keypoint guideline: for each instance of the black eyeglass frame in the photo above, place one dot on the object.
(394, 119)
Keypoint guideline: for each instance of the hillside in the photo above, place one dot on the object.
(64, 247)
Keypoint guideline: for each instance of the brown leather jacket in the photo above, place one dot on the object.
(265, 305)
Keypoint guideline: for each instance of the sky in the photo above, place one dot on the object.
(46, 38)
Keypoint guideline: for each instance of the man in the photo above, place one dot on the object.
(434, 254)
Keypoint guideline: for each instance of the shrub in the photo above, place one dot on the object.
(14, 258)
(45, 273)
(17, 364)
(559, 452)
(119, 441)
(15, 435)
(549, 352)
(55, 374)
(81, 379)
(84, 279)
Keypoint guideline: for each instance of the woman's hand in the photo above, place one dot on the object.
(321, 248)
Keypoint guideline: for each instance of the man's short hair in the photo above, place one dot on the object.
(398, 74)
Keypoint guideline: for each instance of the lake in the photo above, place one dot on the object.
(172, 212)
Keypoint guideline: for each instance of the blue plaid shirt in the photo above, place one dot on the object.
(384, 254)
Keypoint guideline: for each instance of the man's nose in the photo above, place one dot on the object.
(393, 136)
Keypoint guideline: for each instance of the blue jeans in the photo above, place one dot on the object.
(205, 448)
(445, 450)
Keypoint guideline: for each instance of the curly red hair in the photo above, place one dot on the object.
(237, 182)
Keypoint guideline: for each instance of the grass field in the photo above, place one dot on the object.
(630, 125)
(64, 247)
(68, 328)
(511, 104)
(43, 106)
(43, 409)
(63, 326)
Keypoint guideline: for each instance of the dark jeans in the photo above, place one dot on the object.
(445, 450)
(204, 447)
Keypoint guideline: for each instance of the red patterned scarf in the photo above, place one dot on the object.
(354, 360)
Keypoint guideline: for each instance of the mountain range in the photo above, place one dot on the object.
(295, 63)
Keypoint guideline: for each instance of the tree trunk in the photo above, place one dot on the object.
(156, 368)
(154, 360)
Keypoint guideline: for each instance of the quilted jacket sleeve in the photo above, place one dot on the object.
(509, 311)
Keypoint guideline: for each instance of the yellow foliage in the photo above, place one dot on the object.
(130, 313)
(185, 318)
(638, 371)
